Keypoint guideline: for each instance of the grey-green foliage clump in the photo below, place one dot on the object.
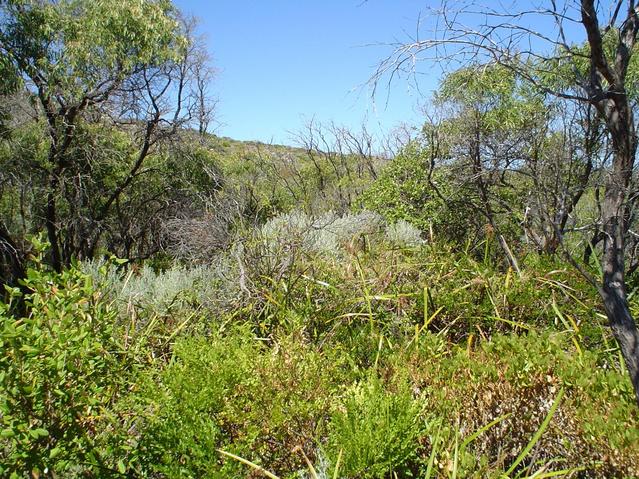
(403, 233)
(332, 235)
(212, 286)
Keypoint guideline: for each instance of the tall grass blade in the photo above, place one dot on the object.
(367, 294)
(570, 325)
(456, 458)
(482, 430)
(538, 433)
(337, 464)
(433, 454)
(248, 463)
(517, 324)
(311, 469)
(181, 326)
(563, 473)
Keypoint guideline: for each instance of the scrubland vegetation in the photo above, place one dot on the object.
(371, 359)
(178, 304)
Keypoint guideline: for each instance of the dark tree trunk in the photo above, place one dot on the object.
(615, 226)
(624, 329)
(613, 288)
(51, 224)
(12, 268)
(11, 259)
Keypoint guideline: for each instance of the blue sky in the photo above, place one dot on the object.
(282, 62)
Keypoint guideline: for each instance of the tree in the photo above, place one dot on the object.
(11, 260)
(491, 128)
(565, 162)
(113, 80)
(411, 189)
(533, 43)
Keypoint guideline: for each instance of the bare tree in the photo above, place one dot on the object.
(201, 73)
(467, 34)
(342, 159)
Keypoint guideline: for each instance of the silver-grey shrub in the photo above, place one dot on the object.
(404, 234)
(327, 234)
(214, 286)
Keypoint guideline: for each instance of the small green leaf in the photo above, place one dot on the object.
(39, 432)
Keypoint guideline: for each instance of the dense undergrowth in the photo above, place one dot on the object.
(358, 351)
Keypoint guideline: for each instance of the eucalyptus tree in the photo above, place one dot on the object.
(490, 126)
(11, 261)
(94, 67)
(532, 42)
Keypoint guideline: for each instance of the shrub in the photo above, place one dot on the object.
(404, 191)
(402, 233)
(516, 378)
(327, 234)
(61, 370)
(377, 431)
(211, 286)
(229, 392)
(182, 426)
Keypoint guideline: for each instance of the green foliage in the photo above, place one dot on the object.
(175, 179)
(27, 146)
(183, 430)
(304, 339)
(518, 377)
(74, 57)
(377, 431)
(566, 71)
(75, 46)
(229, 391)
(267, 180)
(405, 190)
(9, 83)
(494, 93)
(392, 360)
(62, 367)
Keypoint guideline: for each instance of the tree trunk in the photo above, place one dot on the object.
(625, 331)
(11, 259)
(613, 288)
(620, 124)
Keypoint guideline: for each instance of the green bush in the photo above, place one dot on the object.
(61, 370)
(404, 191)
(230, 392)
(182, 427)
(377, 432)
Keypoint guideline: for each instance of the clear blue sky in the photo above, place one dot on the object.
(283, 61)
